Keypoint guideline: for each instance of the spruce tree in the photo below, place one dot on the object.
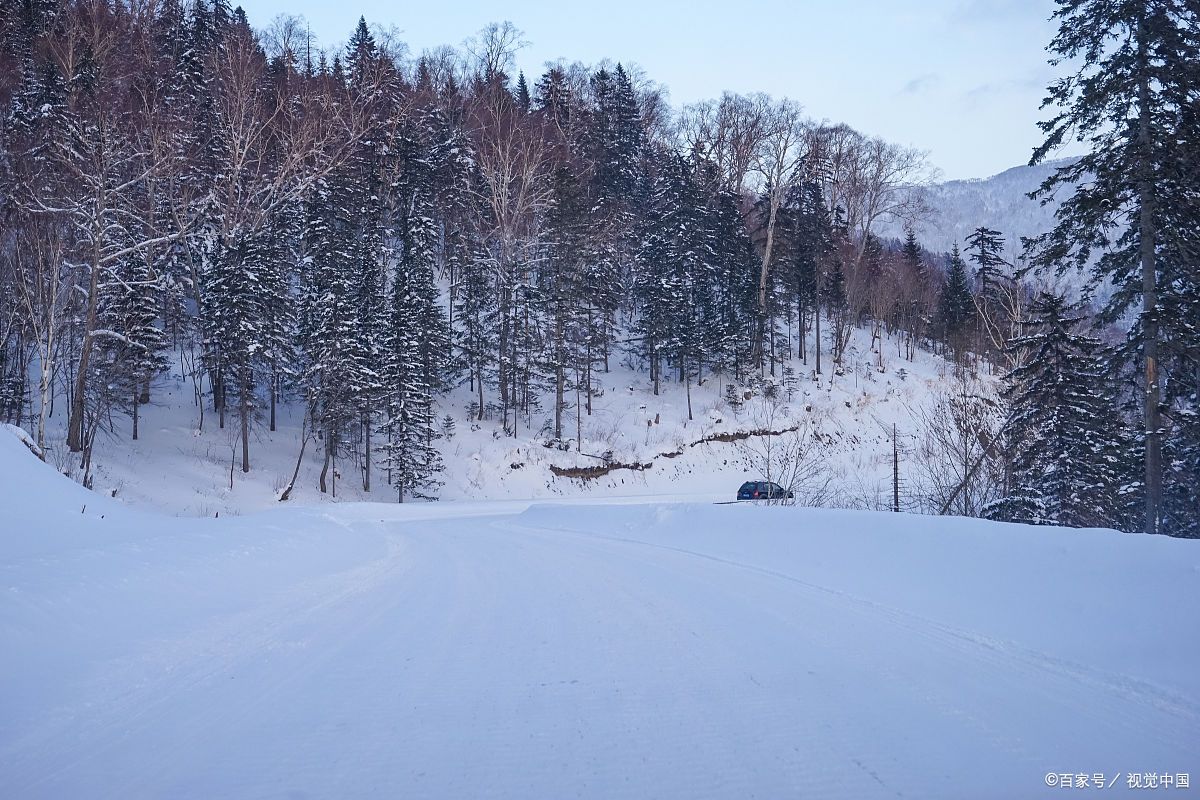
(131, 343)
(1128, 96)
(524, 102)
(956, 308)
(911, 252)
(1067, 448)
(734, 292)
(415, 338)
(985, 248)
(328, 320)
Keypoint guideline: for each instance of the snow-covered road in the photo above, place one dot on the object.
(681, 651)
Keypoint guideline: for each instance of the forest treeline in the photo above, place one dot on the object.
(362, 230)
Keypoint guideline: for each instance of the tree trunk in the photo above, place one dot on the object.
(45, 394)
(367, 454)
(325, 466)
(292, 484)
(763, 274)
(687, 382)
(895, 472)
(588, 375)
(75, 437)
(1148, 235)
(244, 414)
(559, 376)
(817, 337)
(803, 354)
(479, 386)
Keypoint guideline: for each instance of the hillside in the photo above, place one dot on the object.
(587, 650)
(999, 202)
(181, 464)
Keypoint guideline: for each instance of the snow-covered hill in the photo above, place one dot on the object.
(513, 650)
(1000, 202)
(181, 466)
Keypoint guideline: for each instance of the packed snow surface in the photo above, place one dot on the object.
(601, 650)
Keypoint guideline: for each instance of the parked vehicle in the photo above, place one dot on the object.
(763, 490)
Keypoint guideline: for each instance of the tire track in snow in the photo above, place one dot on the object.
(1113, 701)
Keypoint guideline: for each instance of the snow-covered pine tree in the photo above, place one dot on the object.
(417, 359)
(416, 352)
(1067, 447)
(985, 248)
(835, 303)
(328, 319)
(562, 281)
(130, 343)
(615, 145)
(664, 260)
(278, 356)
(910, 252)
(956, 307)
(1131, 87)
(729, 323)
(911, 311)
(233, 318)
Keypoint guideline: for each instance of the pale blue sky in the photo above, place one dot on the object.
(962, 79)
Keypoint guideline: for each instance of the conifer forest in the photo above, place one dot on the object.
(360, 232)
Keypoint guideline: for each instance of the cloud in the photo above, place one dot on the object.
(1032, 83)
(921, 83)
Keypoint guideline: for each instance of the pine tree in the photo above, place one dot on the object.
(552, 96)
(562, 282)
(1067, 449)
(911, 252)
(674, 257)
(735, 293)
(278, 358)
(524, 102)
(130, 342)
(328, 323)
(985, 248)
(234, 315)
(808, 248)
(956, 308)
(417, 357)
(416, 347)
(1128, 97)
(911, 311)
(836, 304)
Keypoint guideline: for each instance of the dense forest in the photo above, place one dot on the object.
(360, 231)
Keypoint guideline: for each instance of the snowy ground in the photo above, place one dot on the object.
(181, 464)
(599, 650)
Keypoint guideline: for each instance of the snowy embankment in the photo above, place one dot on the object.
(604, 650)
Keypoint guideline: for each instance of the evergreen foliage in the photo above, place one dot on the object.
(1068, 452)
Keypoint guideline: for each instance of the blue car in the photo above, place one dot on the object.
(763, 490)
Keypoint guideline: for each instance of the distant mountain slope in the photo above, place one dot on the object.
(1000, 202)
